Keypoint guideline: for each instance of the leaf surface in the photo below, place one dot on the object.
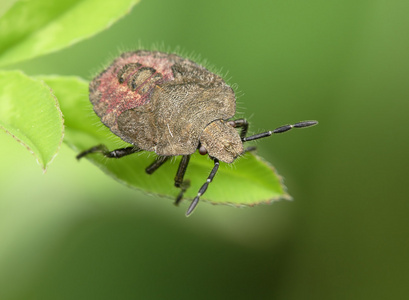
(33, 28)
(30, 113)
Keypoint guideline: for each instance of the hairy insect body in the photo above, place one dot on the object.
(170, 105)
(160, 102)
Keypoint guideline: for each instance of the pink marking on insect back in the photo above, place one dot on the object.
(119, 97)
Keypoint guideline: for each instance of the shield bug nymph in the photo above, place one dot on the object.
(172, 106)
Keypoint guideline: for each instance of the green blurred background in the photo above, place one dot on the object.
(74, 233)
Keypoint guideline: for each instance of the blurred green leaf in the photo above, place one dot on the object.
(30, 113)
(34, 28)
(5, 5)
(248, 181)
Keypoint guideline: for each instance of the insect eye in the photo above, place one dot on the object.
(231, 123)
(202, 150)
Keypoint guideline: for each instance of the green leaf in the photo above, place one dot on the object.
(34, 28)
(30, 113)
(6, 4)
(248, 181)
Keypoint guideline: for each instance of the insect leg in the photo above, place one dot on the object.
(203, 189)
(179, 182)
(181, 170)
(249, 149)
(243, 124)
(280, 129)
(156, 164)
(117, 153)
(183, 188)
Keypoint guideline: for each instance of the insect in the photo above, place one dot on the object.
(172, 106)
